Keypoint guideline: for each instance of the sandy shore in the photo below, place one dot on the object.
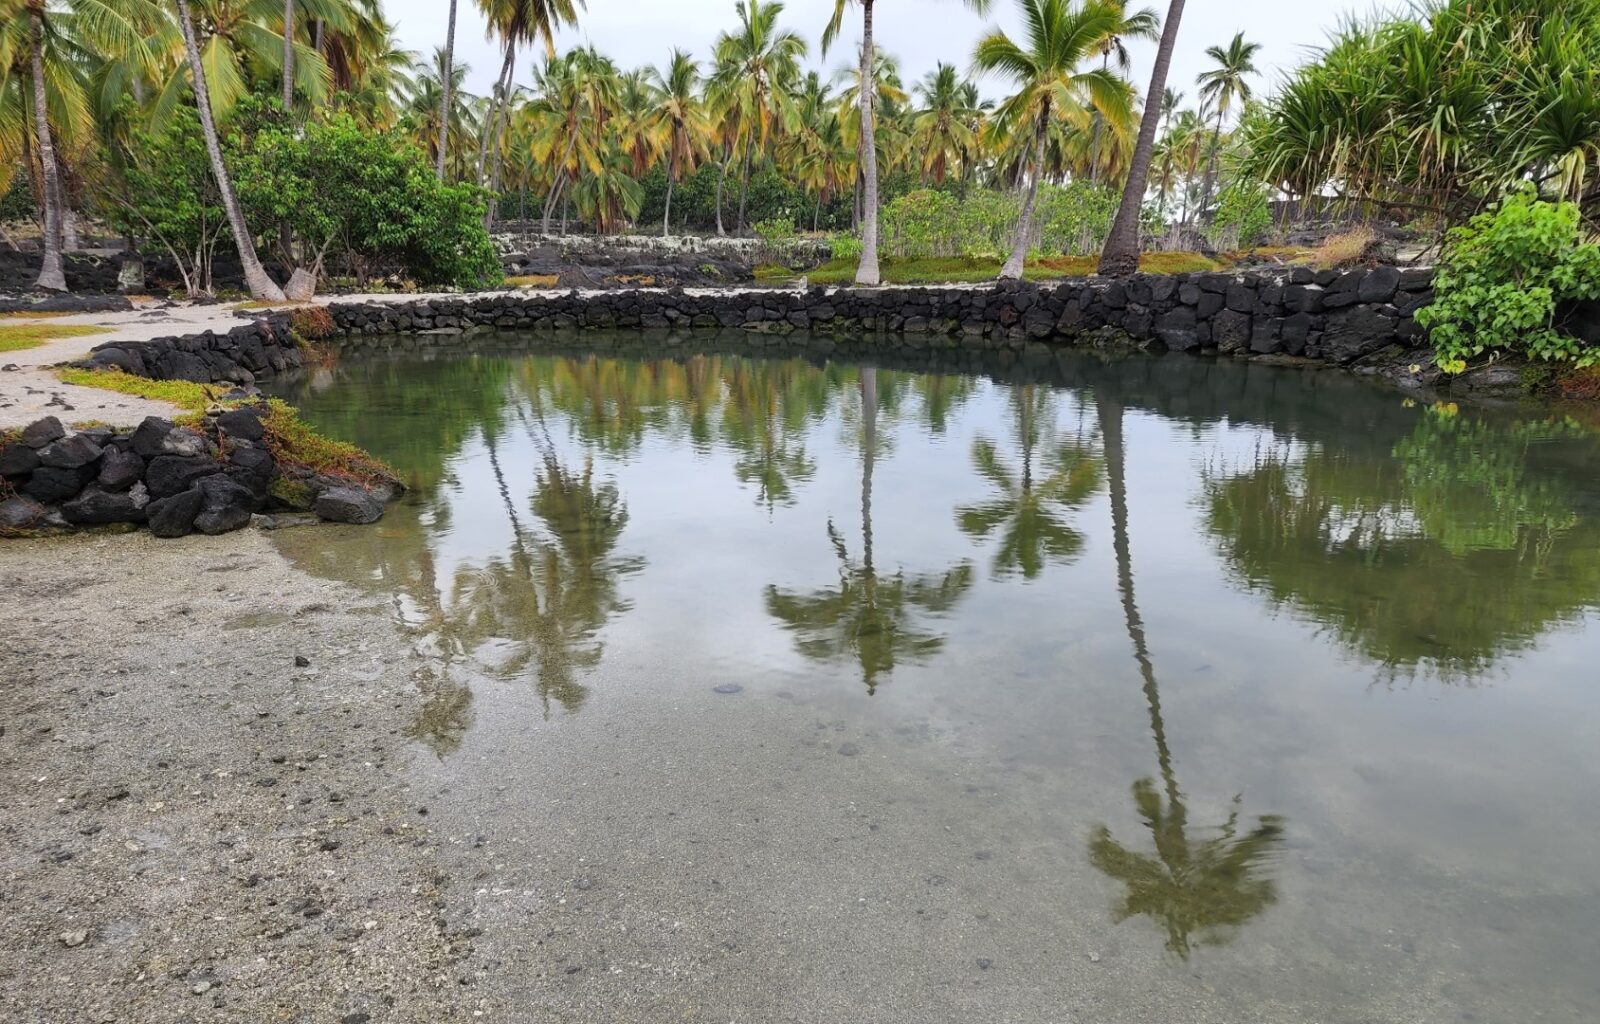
(196, 827)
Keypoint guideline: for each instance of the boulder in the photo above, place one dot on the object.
(243, 423)
(1379, 285)
(95, 507)
(226, 506)
(348, 505)
(120, 470)
(18, 459)
(174, 516)
(72, 452)
(51, 485)
(41, 432)
(170, 474)
(148, 437)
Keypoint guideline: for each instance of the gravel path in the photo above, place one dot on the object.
(194, 826)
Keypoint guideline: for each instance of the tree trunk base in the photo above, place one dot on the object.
(302, 286)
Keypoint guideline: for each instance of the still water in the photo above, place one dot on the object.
(1065, 689)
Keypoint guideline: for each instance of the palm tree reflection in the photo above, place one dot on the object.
(1200, 889)
(1027, 507)
(866, 618)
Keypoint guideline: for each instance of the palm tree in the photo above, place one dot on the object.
(51, 274)
(1120, 257)
(1223, 86)
(888, 98)
(680, 120)
(867, 272)
(262, 287)
(1201, 888)
(755, 69)
(446, 81)
(1060, 36)
(943, 131)
(516, 21)
(1142, 24)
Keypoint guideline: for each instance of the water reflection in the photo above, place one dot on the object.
(1030, 500)
(1419, 539)
(1199, 890)
(1462, 543)
(866, 620)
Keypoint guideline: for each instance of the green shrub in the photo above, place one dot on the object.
(1244, 213)
(845, 248)
(1502, 279)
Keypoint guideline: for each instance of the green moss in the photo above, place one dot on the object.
(295, 494)
(294, 443)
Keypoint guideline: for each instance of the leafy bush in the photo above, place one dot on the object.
(845, 248)
(929, 223)
(1503, 279)
(365, 198)
(1244, 213)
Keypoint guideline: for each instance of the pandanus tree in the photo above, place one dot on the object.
(867, 270)
(1120, 257)
(1199, 890)
(680, 121)
(1225, 86)
(1060, 36)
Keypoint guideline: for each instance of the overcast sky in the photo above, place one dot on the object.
(919, 33)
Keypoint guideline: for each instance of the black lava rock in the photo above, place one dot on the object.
(41, 432)
(243, 423)
(72, 452)
(171, 474)
(97, 507)
(227, 506)
(20, 513)
(147, 440)
(119, 470)
(17, 459)
(174, 516)
(50, 485)
(348, 505)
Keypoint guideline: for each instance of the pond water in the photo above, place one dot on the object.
(1164, 689)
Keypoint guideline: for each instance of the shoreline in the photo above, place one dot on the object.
(197, 824)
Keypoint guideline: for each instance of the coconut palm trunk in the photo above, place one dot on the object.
(444, 91)
(1012, 271)
(288, 55)
(744, 189)
(1211, 165)
(262, 287)
(1120, 257)
(666, 218)
(867, 269)
(51, 274)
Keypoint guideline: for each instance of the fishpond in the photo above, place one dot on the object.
(777, 684)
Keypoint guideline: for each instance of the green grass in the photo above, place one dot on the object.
(16, 337)
(186, 395)
(960, 270)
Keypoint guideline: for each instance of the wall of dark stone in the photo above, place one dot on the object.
(212, 477)
(1339, 317)
(1346, 318)
(258, 350)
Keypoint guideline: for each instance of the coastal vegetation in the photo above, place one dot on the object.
(303, 140)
